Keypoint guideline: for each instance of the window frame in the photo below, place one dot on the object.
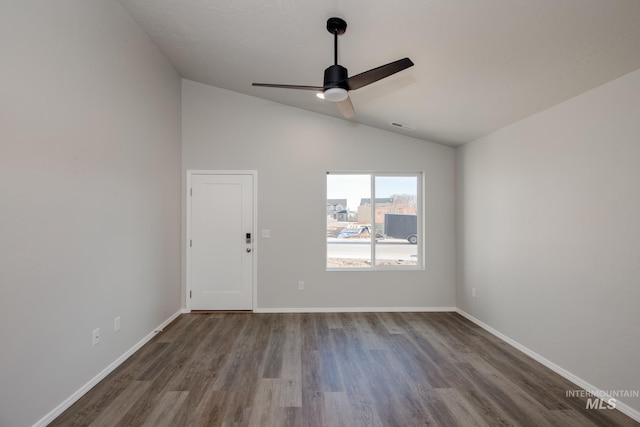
(420, 265)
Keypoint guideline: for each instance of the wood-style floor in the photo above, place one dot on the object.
(334, 369)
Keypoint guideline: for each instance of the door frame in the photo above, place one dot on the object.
(254, 258)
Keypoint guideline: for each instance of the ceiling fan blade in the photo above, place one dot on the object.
(316, 88)
(379, 73)
(346, 108)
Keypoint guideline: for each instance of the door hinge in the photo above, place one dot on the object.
(189, 294)
(190, 243)
(191, 191)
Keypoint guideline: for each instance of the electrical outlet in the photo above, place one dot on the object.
(301, 285)
(473, 292)
(116, 324)
(96, 336)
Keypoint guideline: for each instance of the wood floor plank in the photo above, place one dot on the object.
(527, 373)
(397, 395)
(519, 405)
(245, 367)
(289, 417)
(464, 414)
(389, 322)
(199, 370)
(312, 395)
(338, 409)
(437, 408)
(308, 331)
(352, 370)
(92, 404)
(291, 373)
(162, 372)
(211, 410)
(265, 403)
(120, 405)
(241, 353)
(332, 369)
(274, 354)
(415, 357)
(164, 413)
(371, 331)
(333, 321)
(329, 374)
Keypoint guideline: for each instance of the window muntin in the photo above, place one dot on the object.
(388, 239)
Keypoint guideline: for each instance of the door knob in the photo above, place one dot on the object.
(248, 249)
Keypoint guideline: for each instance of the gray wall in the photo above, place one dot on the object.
(549, 234)
(89, 194)
(292, 149)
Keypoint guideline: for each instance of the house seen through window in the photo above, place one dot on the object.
(374, 220)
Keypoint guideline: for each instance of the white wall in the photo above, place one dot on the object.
(89, 196)
(292, 150)
(549, 234)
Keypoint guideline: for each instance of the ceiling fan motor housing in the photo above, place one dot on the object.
(335, 76)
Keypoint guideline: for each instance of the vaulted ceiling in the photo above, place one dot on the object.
(480, 65)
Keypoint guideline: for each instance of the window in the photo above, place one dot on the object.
(374, 221)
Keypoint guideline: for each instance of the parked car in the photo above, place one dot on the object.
(353, 230)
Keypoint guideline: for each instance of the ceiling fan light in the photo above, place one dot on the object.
(336, 94)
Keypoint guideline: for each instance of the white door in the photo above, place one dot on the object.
(221, 249)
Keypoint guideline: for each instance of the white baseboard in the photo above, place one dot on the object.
(354, 309)
(625, 409)
(106, 371)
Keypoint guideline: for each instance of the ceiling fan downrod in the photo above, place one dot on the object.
(337, 27)
(336, 75)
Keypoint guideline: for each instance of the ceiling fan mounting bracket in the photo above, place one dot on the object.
(336, 26)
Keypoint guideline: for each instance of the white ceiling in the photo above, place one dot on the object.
(479, 64)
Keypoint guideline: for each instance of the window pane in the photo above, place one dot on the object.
(348, 221)
(396, 220)
(373, 220)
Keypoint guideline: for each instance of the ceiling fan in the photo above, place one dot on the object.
(337, 83)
